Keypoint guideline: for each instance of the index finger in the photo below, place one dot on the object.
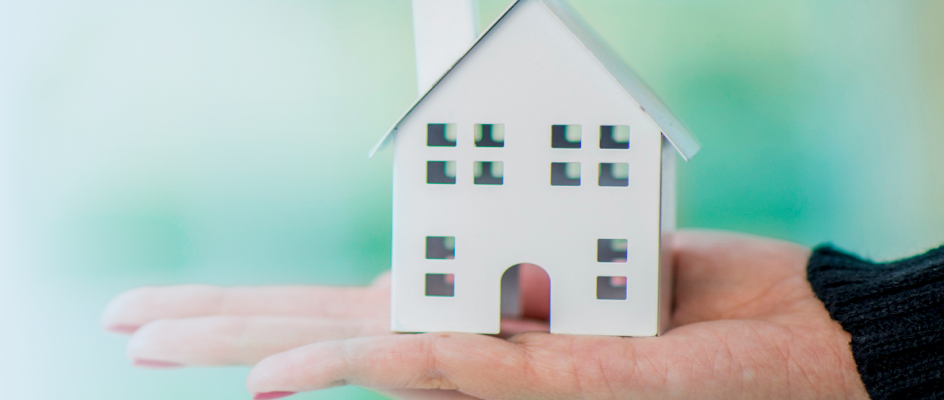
(137, 307)
(534, 365)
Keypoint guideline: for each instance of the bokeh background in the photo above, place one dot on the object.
(224, 142)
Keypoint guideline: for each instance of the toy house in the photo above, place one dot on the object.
(537, 146)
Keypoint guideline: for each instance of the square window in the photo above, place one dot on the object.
(565, 174)
(441, 135)
(612, 250)
(440, 247)
(614, 137)
(489, 135)
(488, 172)
(565, 136)
(441, 172)
(441, 285)
(611, 288)
(614, 174)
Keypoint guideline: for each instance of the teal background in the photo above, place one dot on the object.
(224, 142)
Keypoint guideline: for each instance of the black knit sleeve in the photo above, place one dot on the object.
(895, 314)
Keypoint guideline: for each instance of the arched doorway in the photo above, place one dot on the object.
(525, 298)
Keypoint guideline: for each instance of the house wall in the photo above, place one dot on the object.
(528, 74)
(667, 229)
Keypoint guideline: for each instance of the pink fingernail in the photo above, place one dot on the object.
(155, 364)
(271, 395)
(122, 329)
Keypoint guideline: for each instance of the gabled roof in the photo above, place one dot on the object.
(672, 128)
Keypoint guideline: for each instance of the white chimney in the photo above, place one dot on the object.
(442, 31)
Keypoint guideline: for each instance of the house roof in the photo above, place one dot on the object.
(672, 128)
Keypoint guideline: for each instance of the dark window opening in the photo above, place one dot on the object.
(614, 137)
(565, 136)
(441, 172)
(489, 135)
(488, 172)
(441, 285)
(615, 174)
(440, 247)
(441, 135)
(611, 287)
(565, 174)
(612, 250)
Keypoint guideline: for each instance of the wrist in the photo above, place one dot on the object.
(892, 314)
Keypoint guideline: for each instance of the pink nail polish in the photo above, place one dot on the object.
(155, 364)
(122, 329)
(271, 395)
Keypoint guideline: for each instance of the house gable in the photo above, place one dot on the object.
(674, 131)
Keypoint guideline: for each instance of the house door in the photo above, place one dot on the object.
(525, 298)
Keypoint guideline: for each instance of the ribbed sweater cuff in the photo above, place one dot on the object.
(895, 314)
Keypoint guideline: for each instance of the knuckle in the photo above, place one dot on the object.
(434, 375)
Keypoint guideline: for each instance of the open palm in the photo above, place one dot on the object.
(745, 325)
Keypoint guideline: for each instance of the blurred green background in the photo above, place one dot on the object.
(224, 142)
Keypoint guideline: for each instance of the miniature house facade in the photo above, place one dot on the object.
(538, 146)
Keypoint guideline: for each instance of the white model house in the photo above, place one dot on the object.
(537, 146)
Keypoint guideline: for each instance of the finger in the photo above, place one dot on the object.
(535, 364)
(721, 275)
(535, 289)
(425, 394)
(382, 281)
(720, 359)
(511, 327)
(137, 307)
(394, 362)
(237, 340)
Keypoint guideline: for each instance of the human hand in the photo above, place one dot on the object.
(208, 326)
(200, 325)
(746, 324)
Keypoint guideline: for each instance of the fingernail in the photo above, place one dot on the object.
(155, 364)
(122, 329)
(271, 395)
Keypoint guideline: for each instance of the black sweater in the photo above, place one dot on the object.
(895, 314)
